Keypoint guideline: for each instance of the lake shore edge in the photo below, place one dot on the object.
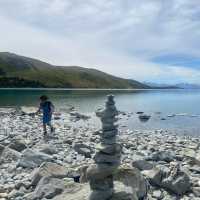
(96, 89)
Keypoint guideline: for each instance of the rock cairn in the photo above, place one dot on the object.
(108, 154)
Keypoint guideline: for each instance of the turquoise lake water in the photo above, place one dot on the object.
(157, 103)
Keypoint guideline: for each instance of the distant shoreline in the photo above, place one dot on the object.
(98, 89)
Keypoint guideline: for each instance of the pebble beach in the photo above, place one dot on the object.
(155, 164)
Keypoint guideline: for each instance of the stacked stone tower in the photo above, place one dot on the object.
(108, 154)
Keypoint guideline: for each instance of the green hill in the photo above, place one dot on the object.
(20, 71)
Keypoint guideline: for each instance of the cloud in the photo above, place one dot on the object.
(122, 37)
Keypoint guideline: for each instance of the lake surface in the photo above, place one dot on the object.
(157, 103)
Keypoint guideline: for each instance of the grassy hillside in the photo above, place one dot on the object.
(43, 74)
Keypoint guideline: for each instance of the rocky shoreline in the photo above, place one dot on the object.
(156, 164)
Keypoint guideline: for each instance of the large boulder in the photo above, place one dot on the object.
(48, 149)
(140, 163)
(32, 159)
(48, 169)
(18, 144)
(9, 155)
(132, 178)
(154, 176)
(129, 176)
(177, 182)
(174, 180)
(74, 191)
(47, 188)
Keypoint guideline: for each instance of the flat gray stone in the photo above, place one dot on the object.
(140, 163)
(109, 149)
(100, 171)
(9, 155)
(49, 170)
(18, 144)
(47, 188)
(107, 158)
(33, 159)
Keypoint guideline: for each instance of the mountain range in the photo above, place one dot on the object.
(172, 86)
(188, 86)
(162, 85)
(21, 71)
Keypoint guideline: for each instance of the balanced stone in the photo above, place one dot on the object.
(109, 149)
(108, 141)
(109, 134)
(108, 154)
(100, 171)
(106, 158)
(102, 184)
(106, 127)
(108, 120)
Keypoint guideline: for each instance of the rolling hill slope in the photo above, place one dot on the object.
(36, 73)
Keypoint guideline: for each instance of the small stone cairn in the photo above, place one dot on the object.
(108, 155)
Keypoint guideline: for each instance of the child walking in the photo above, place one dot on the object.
(47, 108)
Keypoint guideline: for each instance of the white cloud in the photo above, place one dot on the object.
(117, 36)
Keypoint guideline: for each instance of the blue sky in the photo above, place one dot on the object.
(147, 40)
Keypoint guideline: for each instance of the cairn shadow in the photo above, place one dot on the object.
(122, 195)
